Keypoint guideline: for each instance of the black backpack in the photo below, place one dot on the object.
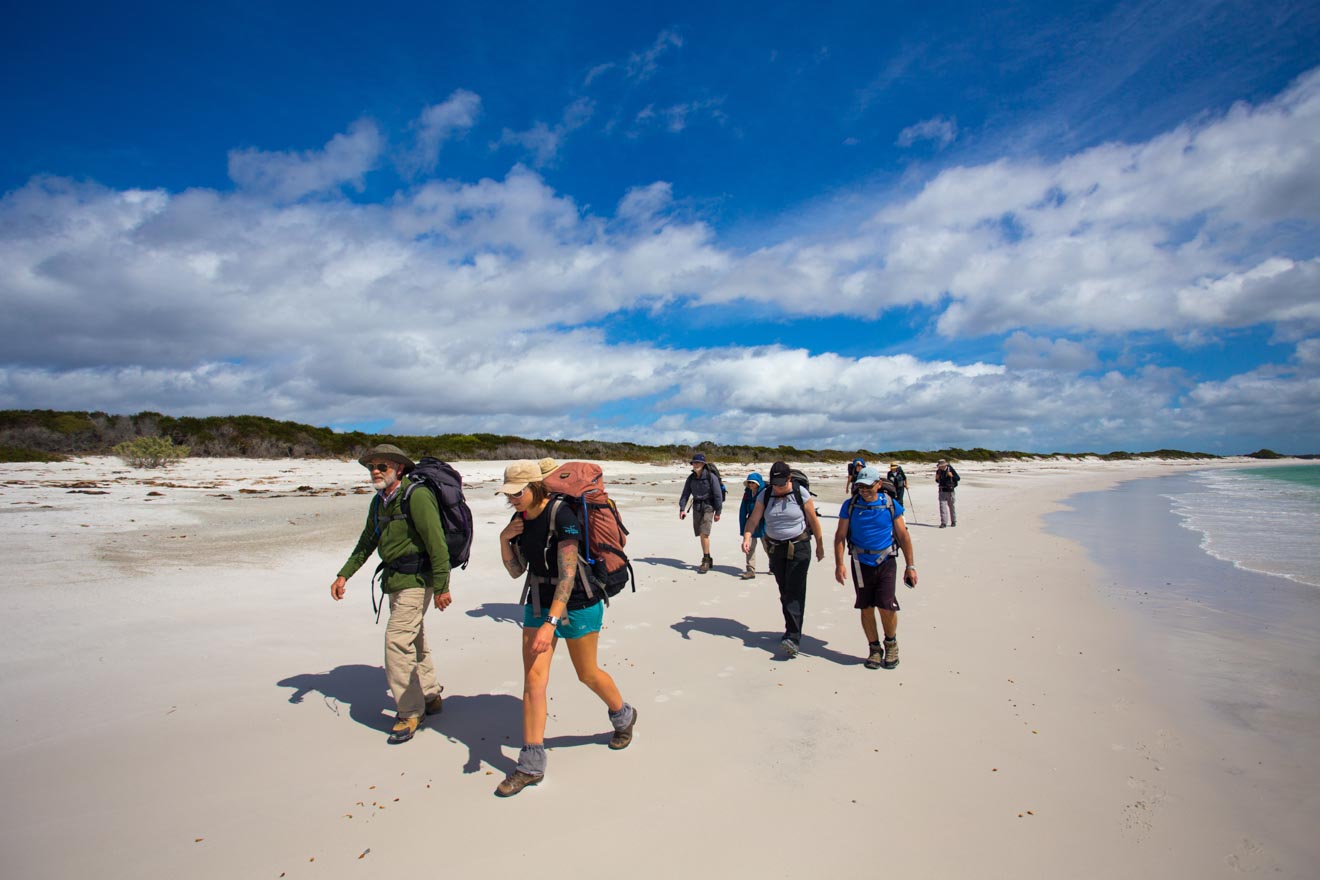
(455, 516)
(799, 481)
(724, 490)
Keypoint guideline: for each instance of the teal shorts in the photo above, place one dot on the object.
(574, 625)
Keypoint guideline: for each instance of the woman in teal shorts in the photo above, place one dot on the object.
(542, 540)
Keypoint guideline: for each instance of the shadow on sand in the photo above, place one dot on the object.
(767, 641)
(500, 612)
(485, 723)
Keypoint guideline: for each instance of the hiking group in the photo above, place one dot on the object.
(565, 538)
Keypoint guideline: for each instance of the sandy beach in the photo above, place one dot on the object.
(181, 696)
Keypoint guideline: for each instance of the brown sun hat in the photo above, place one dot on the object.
(518, 475)
(548, 466)
(388, 452)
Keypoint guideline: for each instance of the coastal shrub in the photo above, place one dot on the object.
(23, 453)
(150, 452)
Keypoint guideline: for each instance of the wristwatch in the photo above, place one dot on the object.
(552, 620)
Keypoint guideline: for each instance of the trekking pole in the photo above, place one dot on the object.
(911, 506)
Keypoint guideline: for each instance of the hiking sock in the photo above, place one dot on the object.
(532, 759)
(622, 718)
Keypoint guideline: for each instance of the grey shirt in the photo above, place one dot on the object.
(784, 517)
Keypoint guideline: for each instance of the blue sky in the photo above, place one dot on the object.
(1035, 226)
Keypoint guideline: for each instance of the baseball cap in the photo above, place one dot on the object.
(779, 473)
(699, 457)
(867, 475)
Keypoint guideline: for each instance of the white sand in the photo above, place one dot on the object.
(146, 732)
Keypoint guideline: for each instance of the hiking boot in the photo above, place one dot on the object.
(435, 705)
(623, 738)
(790, 648)
(516, 782)
(747, 575)
(403, 730)
(891, 654)
(877, 657)
(706, 563)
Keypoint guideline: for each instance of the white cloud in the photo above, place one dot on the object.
(1025, 352)
(643, 65)
(543, 141)
(437, 124)
(938, 129)
(286, 176)
(468, 299)
(676, 117)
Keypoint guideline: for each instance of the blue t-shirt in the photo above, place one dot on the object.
(870, 526)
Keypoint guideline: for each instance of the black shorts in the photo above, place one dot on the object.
(877, 587)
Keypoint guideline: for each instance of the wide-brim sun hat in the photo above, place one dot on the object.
(389, 452)
(548, 466)
(518, 475)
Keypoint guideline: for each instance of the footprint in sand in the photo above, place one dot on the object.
(726, 672)
(665, 698)
(644, 624)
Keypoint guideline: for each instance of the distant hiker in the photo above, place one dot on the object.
(703, 487)
(555, 607)
(790, 522)
(753, 486)
(853, 467)
(871, 527)
(899, 479)
(946, 478)
(415, 565)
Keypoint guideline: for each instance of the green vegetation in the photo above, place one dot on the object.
(22, 453)
(48, 435)
(150, 452)
(1264, 453)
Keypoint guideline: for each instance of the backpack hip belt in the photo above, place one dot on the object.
(791, 543)
(412, 563)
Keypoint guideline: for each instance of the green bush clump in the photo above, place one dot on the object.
(150, 452)
(23, 453)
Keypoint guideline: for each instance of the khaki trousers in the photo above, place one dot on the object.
(408, 667)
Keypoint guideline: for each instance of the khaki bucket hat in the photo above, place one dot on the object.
(388, 452)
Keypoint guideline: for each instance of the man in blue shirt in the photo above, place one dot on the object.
(870, 527)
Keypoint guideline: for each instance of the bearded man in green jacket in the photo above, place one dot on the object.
(415, 572)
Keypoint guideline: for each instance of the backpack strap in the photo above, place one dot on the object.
(853, 549)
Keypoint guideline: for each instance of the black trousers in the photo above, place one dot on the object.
(791, 575)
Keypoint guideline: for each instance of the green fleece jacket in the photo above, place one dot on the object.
(397, 538)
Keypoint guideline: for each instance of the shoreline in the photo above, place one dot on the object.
(232, 701)
(1233, 647)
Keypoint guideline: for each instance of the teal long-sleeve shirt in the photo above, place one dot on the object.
(398, 538)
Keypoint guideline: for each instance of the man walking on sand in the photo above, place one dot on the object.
(790, 523)
(946, 478)
(870, 526)
(415, 572)
(703, 487)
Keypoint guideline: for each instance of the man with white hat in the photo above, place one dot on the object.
(415, 568)
(871, 526)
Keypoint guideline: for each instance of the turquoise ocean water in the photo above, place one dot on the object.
(1217, 574)
(1259, 519)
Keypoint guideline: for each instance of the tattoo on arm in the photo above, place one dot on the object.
(568, 561)
(515, 565)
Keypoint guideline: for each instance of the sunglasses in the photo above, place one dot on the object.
(380, 466)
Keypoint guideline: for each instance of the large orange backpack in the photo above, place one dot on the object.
(603, 563)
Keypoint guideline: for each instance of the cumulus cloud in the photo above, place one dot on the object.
(288, 176)
(543, 141)
(436, 125)
(1025, 352)
(473, 301)
(938, 129)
